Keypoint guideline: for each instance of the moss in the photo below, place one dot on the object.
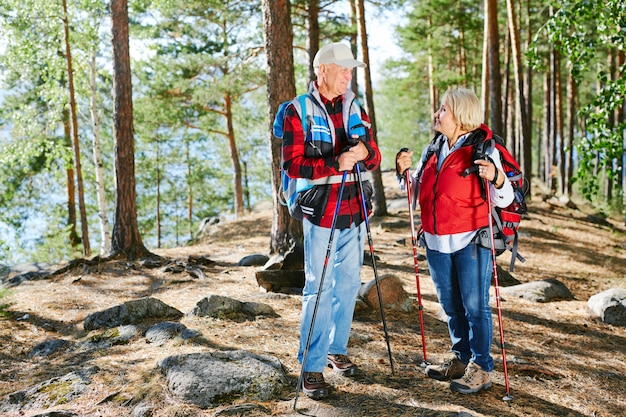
(227, 397)
(58, 391)
(104, 335)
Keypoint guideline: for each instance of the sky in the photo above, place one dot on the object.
(380, 37)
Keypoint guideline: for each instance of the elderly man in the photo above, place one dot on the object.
(337, 138)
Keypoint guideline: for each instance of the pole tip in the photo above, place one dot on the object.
(508, 398)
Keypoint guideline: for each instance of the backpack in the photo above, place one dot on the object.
(291, 187)
(505, 220)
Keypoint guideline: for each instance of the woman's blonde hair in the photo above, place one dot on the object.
(465, 107)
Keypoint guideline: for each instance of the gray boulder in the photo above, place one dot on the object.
(160, 333)
(48, 347)
(50, 393)
(217, 378)
(221, 307)
(610, 306)
(131, 312)
(542, 291)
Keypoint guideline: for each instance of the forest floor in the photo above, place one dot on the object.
(561, 360)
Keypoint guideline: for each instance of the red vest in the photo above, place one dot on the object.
(449, 202)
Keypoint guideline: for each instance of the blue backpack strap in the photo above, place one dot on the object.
(306, 108)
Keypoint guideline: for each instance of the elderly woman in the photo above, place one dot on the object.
(453, 210)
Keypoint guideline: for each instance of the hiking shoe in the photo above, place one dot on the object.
(474, 380)
(452, 368)
(341, 364)
(314, 386)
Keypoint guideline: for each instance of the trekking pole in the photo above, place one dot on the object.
(369, 240)
(508, 396)
(416, 263)
(319, 291)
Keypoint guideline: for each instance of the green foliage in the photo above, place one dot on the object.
(202, 72)
(452, 35)
(586, 32)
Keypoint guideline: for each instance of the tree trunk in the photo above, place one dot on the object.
(434, 99)
(105, 246)
(189, 190)
(560, 138)
(313, 38)
(281, 86)
(495, 76)
(527, 145)
(547, 122)
(234, 156)
(126, 241)
(484, 79)
(380, 208)
(524, 124)
(552, 133)
(73, 237)
(354, 23)
(77, 164)
(571, 126)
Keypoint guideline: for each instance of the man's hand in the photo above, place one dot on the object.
(350, 157)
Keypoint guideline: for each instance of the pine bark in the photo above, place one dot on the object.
(281, 86)
(380, 207)
(126, 241)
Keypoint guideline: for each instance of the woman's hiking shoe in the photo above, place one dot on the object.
(341, 364)
(474, 380)
(314, 386)
(452, 368)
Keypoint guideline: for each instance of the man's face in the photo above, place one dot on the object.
(334, 79)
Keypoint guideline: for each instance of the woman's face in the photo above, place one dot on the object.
(445, 122)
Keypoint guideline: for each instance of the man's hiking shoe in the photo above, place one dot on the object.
(474, 380)
(314, 386)
(452, 368)
(341, 364)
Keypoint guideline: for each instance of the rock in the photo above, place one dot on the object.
(131, 312)
(54, 391)
(505, 279)
(610, 306)
(539, 291)
(228, 308)
(48, 347)
(160, 333)
(211, 379)
(103, 338)
(283, 272)
(392, 293)
(256, 259)
(278, 280)
(143, 410)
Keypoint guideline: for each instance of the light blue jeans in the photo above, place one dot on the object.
(462, 280)
(341, 285)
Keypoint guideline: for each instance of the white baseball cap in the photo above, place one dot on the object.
(336, 53)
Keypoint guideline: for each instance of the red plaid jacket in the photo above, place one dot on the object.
(299, 166)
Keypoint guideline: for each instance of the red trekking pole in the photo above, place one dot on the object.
(508, 396)
(416, 264)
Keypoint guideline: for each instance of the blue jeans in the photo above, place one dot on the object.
(338, 296)
(462, 280)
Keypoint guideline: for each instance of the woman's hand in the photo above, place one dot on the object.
(488, 170)
(403, 161)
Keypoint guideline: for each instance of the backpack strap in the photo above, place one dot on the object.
(306, 109)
